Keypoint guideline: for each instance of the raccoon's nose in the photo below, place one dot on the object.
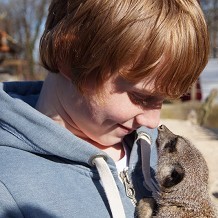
(161, 128)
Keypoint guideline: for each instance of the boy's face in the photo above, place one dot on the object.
(124, 108)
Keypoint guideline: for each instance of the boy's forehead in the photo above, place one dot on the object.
(149, 76)
(144, 87)
(147, 88)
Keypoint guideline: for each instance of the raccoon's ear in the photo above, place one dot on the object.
(175, 176)
(170, 146)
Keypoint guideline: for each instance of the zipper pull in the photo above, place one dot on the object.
(129, 189)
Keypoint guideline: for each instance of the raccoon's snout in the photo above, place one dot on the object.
(161, 127)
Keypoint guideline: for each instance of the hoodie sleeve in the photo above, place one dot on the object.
(8, 206)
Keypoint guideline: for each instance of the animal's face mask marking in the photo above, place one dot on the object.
(171, 145)
(174, 176)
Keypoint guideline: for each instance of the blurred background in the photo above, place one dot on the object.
(22, 23)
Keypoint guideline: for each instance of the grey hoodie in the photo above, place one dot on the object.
(46, 171)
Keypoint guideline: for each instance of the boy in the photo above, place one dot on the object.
(111, 63)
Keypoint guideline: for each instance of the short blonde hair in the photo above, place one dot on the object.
(97, 38)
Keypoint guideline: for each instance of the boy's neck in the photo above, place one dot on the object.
(49, 105)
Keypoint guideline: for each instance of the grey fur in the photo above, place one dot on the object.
(182, 174)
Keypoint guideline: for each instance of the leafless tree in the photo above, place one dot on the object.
(24, 21)
(210, 8)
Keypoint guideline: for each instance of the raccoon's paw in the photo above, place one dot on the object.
(145, 208)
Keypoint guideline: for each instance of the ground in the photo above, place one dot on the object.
(206, 141)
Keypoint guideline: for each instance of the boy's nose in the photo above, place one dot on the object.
(149, 119)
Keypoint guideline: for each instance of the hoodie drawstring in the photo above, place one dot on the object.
(110, 187)
(109, 184)
(145, 142)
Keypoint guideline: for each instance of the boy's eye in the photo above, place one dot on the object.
(148, 101)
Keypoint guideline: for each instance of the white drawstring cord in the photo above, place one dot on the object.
(145, 142)
(110, 187)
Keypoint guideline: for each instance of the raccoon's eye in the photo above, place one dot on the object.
(171, 145)
(176, 176)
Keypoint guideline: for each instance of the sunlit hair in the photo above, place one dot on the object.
(164, 39)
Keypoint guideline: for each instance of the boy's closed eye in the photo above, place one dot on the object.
(146, 101)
